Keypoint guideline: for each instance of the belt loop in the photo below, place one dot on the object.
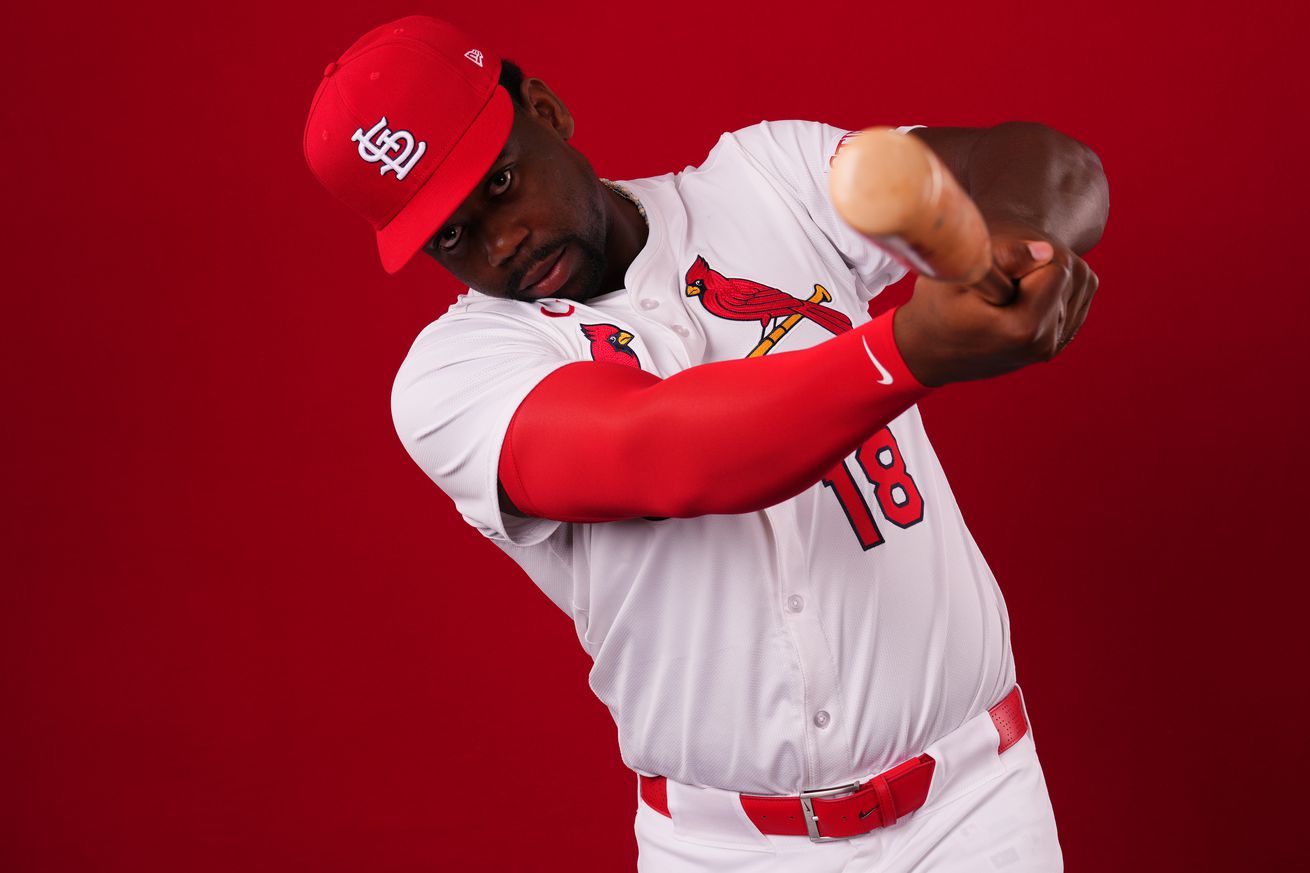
(886, 805)
(655, 791)
(1009, 719)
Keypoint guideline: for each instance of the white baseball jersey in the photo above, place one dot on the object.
(824, 639)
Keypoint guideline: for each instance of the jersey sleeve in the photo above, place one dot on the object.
(452, 402)
(798, 155)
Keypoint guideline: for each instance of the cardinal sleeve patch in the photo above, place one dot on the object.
(610, 343)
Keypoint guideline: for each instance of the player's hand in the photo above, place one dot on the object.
(1027, 310)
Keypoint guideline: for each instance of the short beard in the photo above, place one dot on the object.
(591, 269)
(590, 272)
(592, 264)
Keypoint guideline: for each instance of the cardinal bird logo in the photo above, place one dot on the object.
(745, 300)
(609, 343)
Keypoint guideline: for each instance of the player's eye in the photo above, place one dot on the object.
(447, 239)
(500, 182)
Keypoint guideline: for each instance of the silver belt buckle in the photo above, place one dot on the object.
(812, 820)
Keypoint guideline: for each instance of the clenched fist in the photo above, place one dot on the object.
(1026, 310)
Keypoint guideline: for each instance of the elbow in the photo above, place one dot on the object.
(1079, 180)
(1103, 198)
(1083, 182)
(1090, 189)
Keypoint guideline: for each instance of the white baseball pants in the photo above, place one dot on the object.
(984, 812)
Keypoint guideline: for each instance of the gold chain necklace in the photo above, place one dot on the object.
(626, 195)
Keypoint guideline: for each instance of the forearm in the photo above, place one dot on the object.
(602, 443)
(1029, 175)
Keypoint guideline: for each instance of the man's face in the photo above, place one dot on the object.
(536, 225)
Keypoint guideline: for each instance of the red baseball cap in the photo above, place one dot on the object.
(403, 127)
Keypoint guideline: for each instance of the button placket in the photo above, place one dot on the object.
(800, 616)
(652, 311)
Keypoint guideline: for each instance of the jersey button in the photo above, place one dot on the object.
(648, 304)
(795, 603)
(821, 719)
(680, 330)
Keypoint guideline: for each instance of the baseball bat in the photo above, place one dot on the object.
(891, 188)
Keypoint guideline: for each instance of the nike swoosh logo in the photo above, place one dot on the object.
(885, 380)
(865, 815)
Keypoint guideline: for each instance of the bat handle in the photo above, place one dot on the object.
(892, 189)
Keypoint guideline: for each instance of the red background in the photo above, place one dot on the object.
(242, 631)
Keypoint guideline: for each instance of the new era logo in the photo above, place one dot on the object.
(474, 55)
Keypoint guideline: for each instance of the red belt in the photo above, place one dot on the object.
(857, 808)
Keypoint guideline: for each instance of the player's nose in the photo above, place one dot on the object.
(503, 240)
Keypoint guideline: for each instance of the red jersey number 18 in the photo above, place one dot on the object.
(898, 497)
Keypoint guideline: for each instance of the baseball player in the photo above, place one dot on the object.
(665, 399)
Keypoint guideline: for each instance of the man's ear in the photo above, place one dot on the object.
(540, 101)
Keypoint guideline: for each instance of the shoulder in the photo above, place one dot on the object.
(783, 132)
(781, 150)
(773, 142)
(787, 140)
(795, 137)
(473, 309)
(471, 366)
(792, 151)
(485, 321)
(476, 332)
(765, 142)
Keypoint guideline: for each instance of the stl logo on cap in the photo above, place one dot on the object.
(374, 146)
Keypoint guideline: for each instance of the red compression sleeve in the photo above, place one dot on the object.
(602, 442)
